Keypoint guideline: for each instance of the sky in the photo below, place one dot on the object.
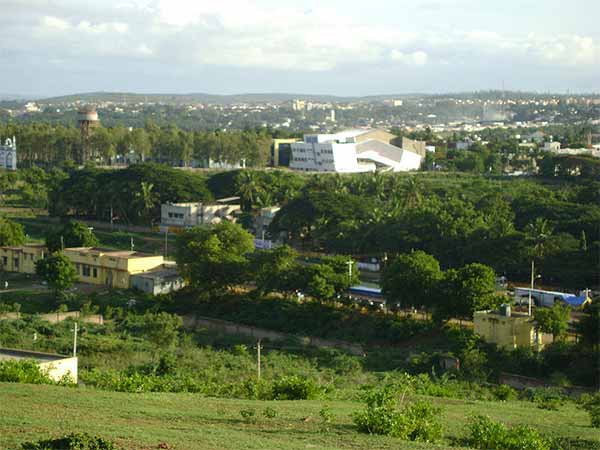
(337, 47)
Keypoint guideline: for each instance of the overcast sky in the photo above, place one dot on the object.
(343, 47)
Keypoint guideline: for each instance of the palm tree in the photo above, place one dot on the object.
(248, 188)
(539, 234)
(413, 192)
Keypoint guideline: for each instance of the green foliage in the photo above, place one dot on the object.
(11, 233)
(248, 414)
(294, 388)
(487, 434)
(73, 441)
(22, 371)
(411, 279)
(214, 257)
(591, 403)
(58, 271)
(418, 421)
(71, 234)
(504, 392)
(554, 320)
(269, 412)
(589, 324)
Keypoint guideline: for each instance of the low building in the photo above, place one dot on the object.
(112, 268)
(387, 157)
(551, 146)
(540, 297)
(57, 367)
(8, 154)
(161, 280)
(21, 259)
(184, 215)
(509, 330)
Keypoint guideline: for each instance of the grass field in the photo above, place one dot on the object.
(187, 421)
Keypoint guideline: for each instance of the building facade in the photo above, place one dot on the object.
(112, 268)
(162, 280)
(8, 154)
(21, 259)
(184, 215)
(354, 151)
(509, 330)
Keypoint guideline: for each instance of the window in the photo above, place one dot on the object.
(78, 268)
(85, 270)
(16, 263)
(95, 272)
(4, 260)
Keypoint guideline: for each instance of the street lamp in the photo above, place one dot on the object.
(533, 278)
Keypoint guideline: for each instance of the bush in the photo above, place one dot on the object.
(248, 414)
(418, 421)
(484, 433)
(294, 388)
(269, 413)
(504, 392)
(74, 441)
(591, 403)
(23, 371)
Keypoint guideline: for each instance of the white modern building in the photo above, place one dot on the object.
(352, 151)
(8, 154)
(183, 215)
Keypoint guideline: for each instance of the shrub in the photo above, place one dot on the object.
(248, 414)
(74, 441)
(484, 433)
(505, 392)
(294, 388)
(326, 417)
(269, 413)
(23, 371)
(418, 421)
(591, 403)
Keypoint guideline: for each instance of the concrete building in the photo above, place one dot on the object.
(57, 367)
(551, 146)
(263, 220)
(8, 154)
(509, 330)
(112, 268)
(161, 280)
(353, 151)
(184, 215)
(281, 151)
(21, 259)
(418, 147)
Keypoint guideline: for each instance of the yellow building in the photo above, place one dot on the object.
(112, 268)
(21, 259)
(509, 330)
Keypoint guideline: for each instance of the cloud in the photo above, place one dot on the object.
(418, 58)
(190, 35)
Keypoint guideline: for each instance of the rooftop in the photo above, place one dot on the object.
(16, 354)
(96, 251)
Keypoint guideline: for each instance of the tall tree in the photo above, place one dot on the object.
(11, 233)
(58, 271)
(72, 234)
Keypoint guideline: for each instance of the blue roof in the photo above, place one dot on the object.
(375, 292)
(574, 300)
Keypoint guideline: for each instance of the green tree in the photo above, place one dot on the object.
(58, 271)
(72, 234)
(162, 328)
(466, 290)
(554, 320)
(214, 257)
(411, 279)
(11, 233)
(274, 269)
(589, 325)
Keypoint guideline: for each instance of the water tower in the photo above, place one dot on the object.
(87, 119)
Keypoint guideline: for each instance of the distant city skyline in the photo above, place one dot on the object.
(329, 47)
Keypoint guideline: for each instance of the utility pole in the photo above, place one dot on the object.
(166, 241)
(258, 349)
(75, 340)
(132, 243)
(531, 287)
(111, 217)
(62, 242)
(350, 262)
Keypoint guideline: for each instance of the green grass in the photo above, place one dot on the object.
(189, 422)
